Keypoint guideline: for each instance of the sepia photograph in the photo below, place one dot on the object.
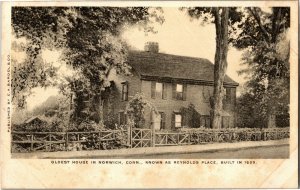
(107, 78)
(138, 85)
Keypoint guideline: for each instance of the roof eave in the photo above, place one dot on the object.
(188, 81)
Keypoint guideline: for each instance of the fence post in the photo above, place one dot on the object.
(130, 131)
(31, 145)
(153, 136)
(128, 136)
(99, 139)
(50, 141)
(264, 135)
(67, 141)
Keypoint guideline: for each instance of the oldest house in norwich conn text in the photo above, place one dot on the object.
(180, 87)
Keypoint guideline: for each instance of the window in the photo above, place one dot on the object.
(205, 121)
(179, 91)
(178, 120)
(122, 118)
(158, 90)
(124, 91)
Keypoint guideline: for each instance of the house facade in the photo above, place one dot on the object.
(179, 87)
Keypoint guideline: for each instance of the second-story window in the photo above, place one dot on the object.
(158, 90)
(179, 91)
(124, 91)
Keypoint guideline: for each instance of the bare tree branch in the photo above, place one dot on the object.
(262, 28)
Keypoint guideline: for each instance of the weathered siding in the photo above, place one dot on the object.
(118, 105)
(198, 95)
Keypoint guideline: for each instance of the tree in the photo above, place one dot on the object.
(90, 39)
(222, 17)
(263, 36)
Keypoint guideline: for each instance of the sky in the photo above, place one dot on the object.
(178, 35)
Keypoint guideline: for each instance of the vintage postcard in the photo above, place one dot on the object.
(149, 94)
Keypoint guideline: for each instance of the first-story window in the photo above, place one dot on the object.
(125, 91)
(178, 120)
(205, 121)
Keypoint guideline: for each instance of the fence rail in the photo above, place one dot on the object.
(203, 136)
(136, 137)
(67, 141)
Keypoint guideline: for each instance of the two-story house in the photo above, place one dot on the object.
(170, 82)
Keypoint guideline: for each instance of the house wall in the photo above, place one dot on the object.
(115, 97)
(198, 95)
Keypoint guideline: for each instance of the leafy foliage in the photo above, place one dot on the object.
(54, 114)
(191, 116)
(89, 38)
(136, 107)
(264, 38)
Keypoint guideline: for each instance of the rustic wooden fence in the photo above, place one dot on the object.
(137, 137)
(141, 137)
(68, 141)
(203, 136)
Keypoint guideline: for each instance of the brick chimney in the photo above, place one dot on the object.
(151, 47)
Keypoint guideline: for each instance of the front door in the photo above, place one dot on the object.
(156, 121)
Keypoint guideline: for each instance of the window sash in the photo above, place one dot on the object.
(179, 91)
(178, 120)
(159, 90)
(179, 95)
(179, 88)
(158, 87)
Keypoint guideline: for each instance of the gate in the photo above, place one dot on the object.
(141, 137)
